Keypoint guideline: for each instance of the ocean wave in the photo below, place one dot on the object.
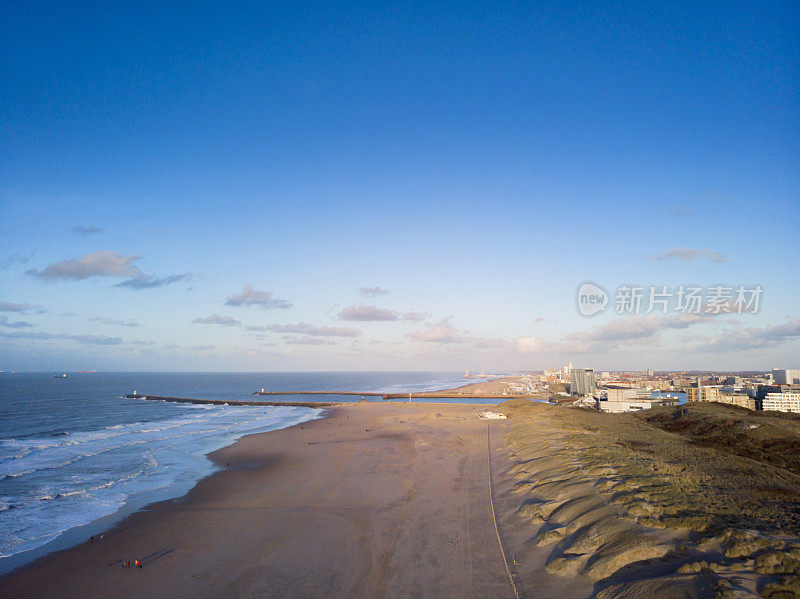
(76, 437)
(57, 483)
(55, 461)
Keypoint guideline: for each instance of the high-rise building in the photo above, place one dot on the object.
(785, 377)
(582, 381)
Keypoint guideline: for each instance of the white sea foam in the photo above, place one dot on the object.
(75, 450)
(57, 483)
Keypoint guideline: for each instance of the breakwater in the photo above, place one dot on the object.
(229, 402)
(322, 404)
(402, 396)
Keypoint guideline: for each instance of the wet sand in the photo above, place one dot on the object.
(376, 500)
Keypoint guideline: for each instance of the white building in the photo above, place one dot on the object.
(627, 394)
(627, 406)
(630, 400)
(782, 402)
(785, 377)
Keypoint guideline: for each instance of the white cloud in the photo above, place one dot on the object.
(96, 264)
(688, 254)
(367, 313)
(225, 321)
(364, 313)
(490, 343)
(10, 307)
(372, 291)
(531, 345)
(105, 264)
(150, 281)
(442, 332)
(83, 339)
(252, 297)
(303, 328)
(113, 321)
(750, 338)
(15, 258)
(85, 230)
(95, 339)
(307, 340)
(414, 316)
(19, 324)
(445, 333)
(629, 331)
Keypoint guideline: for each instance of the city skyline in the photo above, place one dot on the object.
(331, 189)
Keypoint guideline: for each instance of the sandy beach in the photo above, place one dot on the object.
(377, 499)
(384, 499)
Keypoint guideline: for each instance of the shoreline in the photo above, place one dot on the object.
(386, 499)
(426, 499)
(180, 487)
(254, 456)
(133, 504)
(140, 500)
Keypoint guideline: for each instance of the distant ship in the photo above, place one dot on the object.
(63, 375)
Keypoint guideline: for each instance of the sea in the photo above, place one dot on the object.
(76, 456)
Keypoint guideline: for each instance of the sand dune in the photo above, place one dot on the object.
(641, 511)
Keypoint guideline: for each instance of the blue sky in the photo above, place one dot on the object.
(475, 164)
